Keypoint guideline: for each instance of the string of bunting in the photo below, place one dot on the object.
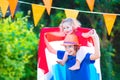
(72, 9)
(38, 11)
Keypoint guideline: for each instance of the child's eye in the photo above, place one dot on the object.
(67, 27)
(65, 46)
(64, 28)
(70, 46)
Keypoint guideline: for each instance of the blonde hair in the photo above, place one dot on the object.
(71, 21)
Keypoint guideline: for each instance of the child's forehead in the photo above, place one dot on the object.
(67, 24)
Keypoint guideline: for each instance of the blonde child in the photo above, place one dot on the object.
(70, 25)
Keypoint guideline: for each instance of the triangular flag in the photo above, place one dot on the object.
(4, 6)
(90, 4)
(13, 4)
(71, 13)
(37, 12)
(109, 21)
(48, 4)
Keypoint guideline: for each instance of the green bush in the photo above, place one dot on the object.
(18, 48)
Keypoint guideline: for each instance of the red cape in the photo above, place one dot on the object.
(42, 63)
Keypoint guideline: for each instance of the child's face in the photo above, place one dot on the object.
(67, 28)
(70, 49)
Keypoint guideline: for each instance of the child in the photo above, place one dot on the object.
(70, 25)
(71, 45)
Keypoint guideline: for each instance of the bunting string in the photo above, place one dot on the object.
(109, 18)
(72, 9)
(25, 2)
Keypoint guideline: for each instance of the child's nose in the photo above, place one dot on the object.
(67, 49)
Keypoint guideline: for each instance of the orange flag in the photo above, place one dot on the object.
(71, 13)
(4, 6)
(48, 4)
(38, 11)
(13, 4)
(90, 4)
(109, 21)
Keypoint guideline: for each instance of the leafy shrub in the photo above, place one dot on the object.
(18, 48)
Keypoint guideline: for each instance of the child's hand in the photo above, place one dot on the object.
(60, 62)
(91, 32)
(88, 34)
(94, 35)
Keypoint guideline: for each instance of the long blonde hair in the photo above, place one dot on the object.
(71, 21)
